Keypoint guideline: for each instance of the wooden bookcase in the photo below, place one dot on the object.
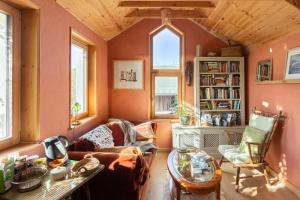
(219, 91)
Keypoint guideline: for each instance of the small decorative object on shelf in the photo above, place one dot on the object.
(76, 107)
(264, 70)
(219, 91)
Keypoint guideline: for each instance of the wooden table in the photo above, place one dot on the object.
(53, 190)
(183, 179)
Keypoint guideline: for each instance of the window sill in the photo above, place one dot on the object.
(165, 120)
(83, 121)
(17, 149)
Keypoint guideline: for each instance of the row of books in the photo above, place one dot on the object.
(233, 67)
(220, 80)
(223, 119)
(219, 93)
(220, 105)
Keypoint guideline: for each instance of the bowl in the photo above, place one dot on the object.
(29, 179)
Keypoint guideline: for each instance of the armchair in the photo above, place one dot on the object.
(256, 139)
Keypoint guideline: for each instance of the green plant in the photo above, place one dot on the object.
(76, 107)
(182, 109)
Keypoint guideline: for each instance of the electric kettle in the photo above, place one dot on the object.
(55, 149)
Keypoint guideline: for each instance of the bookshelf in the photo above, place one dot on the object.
(218, 97)
(219, 92)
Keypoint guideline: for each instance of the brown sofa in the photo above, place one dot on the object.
(125, 173)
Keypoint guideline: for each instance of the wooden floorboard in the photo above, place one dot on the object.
(250, 188)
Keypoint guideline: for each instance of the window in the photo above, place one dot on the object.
(166, 59)
(79, 77)
(9, 76)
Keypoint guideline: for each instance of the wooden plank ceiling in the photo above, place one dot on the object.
(248, 22)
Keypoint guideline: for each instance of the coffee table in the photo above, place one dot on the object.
(179, 166)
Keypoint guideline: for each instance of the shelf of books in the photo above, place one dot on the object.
(219, 91)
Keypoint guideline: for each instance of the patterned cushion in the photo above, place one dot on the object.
(100, 136)
(144, 131)
(233, 154)
(261, 122)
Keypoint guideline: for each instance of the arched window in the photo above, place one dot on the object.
(166, 61)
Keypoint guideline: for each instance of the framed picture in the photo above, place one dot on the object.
(128, 74)
(264, 70)
(292, 69)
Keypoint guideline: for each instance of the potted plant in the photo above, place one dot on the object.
(76, 107)
(185, 113)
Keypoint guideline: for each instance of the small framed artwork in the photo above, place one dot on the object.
(128, 74)
(264, 70)
(292, 69)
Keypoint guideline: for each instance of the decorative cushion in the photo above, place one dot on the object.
(261, 122)
(233, 154)
(84, 145)
(117, 133)
(252, 135)
(144, 131)
(101, 136)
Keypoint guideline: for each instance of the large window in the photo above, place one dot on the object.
(79, 77)
(9, 75)
(166, 61)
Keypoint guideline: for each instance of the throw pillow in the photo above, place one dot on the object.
(144, 131)
(117, 133)
(252, 135)
(101, 136)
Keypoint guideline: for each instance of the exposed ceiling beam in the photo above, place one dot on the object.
(294, 2)
(167, 4)
(171, 14)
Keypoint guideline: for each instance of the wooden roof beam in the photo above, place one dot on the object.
(294, 3)
(171, 14)
(167, 4)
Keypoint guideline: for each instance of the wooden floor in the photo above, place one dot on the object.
(250, 188)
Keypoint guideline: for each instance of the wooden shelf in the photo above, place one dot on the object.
(215, 86)
(277, 82)
(220, 110)
(225, 73)
(219, 99)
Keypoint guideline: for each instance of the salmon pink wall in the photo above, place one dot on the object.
(134, 44)
(284, 151)
(55, 23)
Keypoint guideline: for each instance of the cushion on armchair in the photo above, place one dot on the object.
(252, 135)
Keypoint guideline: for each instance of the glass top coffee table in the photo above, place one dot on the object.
(193, 171)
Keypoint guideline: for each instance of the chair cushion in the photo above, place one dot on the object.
(261, 122)
(233, 154)
(117, 133)
(252, 135)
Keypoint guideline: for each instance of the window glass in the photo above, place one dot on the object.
(5, 76)
(79, 76)
(166, 95)
(166, 50)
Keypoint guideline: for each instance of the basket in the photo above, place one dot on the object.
(86, 166)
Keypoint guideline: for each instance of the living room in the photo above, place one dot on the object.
(162, 81)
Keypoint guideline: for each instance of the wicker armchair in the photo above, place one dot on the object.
(254, 154)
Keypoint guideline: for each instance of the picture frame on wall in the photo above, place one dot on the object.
(128, 74)
(292, 69)
(264, 70)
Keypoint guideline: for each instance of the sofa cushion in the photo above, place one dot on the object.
(144, 131)
(117, 133)
(101, 136)
(84, 145)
